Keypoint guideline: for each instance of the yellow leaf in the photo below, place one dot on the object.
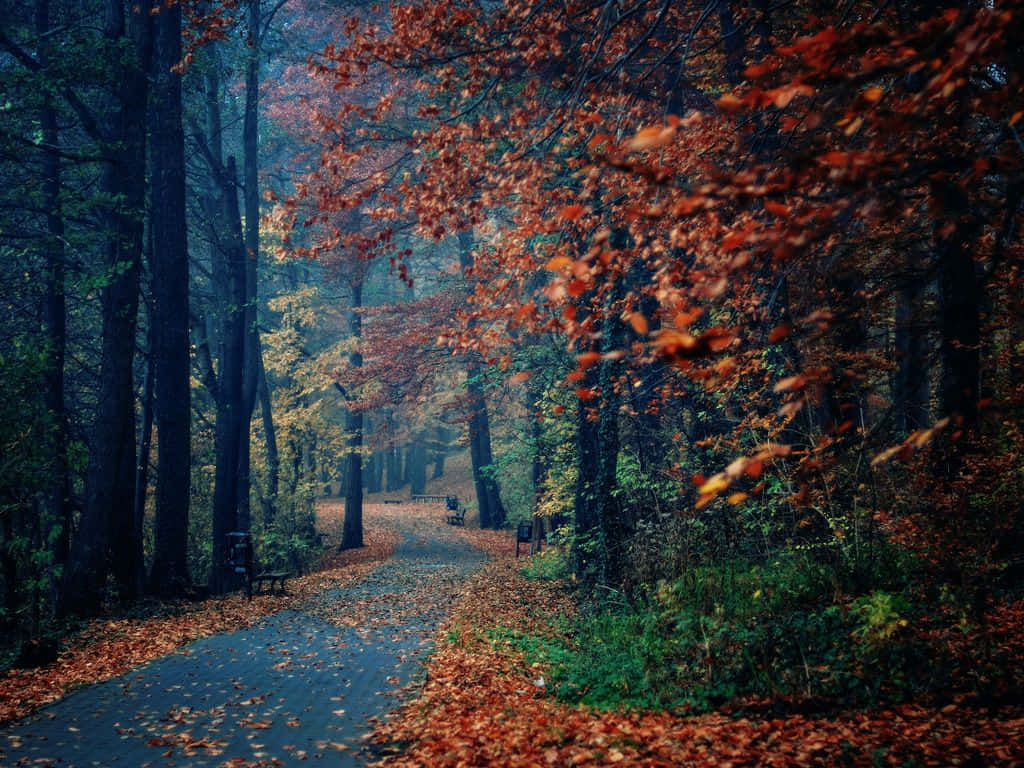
(557, 263)
(716, 484)
(737, 498)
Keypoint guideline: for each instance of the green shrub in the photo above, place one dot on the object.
(740, 629)
(551, 564)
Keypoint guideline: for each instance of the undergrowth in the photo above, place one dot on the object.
(783, 631)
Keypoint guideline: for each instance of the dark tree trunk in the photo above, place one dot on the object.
(394, 460)
(443, 439)
(229, 390)
(959, 302)
(488, 492)
(270, 436)
(586, 507)
(145, 446)
(910, 381)
(352, 532)
(172, 408)
(110, 493)
(614, 528)
(599, 522)
(375, 472)
(418, 466)
(406, 461)
(54, 318)
(250, 371)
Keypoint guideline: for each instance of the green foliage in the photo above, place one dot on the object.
(550, 564)
(777, 629)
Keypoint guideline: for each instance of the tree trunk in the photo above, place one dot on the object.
(443, 439)
(394, 461)
(352, 533)
(910, 381)
(145, 446)
(172, 363)
(54, 319)
(418, 466)
(110, 493)
(229, 391)
(488, 492)
(270, 436)
(250, 170)
(959, 300)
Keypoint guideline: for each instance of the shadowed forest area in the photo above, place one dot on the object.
(715, 308)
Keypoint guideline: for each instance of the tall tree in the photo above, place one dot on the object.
(111, 474)
(488, 492)
(170, 270)
(352, 529)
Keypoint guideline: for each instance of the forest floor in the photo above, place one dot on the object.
(229, 682)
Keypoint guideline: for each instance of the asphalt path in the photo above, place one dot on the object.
(301, 687)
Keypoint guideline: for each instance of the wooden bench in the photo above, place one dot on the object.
(428, 498)
(274, 577)
(457, 518)
(392, 501)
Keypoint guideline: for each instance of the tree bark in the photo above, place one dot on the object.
(352, 531)
(394, 460)
(418, 466)
(229, 389)
(443, 439)
(270, 438)
(110, 493)
(251, 193)
(54, 319)
(172, 409)
(488, 492)
(910, 382)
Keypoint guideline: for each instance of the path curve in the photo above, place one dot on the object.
(301, 686)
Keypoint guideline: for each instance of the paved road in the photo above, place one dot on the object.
(298, 687)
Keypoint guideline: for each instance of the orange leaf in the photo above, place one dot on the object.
(873, 94)
(587, 359)
(730, 102)
(639, 322)
(790, 382)
(520, 377)
(654, 137)
(586, 393)
(737, 498)
(557, 263)
(779, 332)
(572, 212)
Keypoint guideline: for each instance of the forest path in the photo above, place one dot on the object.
(301, 685)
